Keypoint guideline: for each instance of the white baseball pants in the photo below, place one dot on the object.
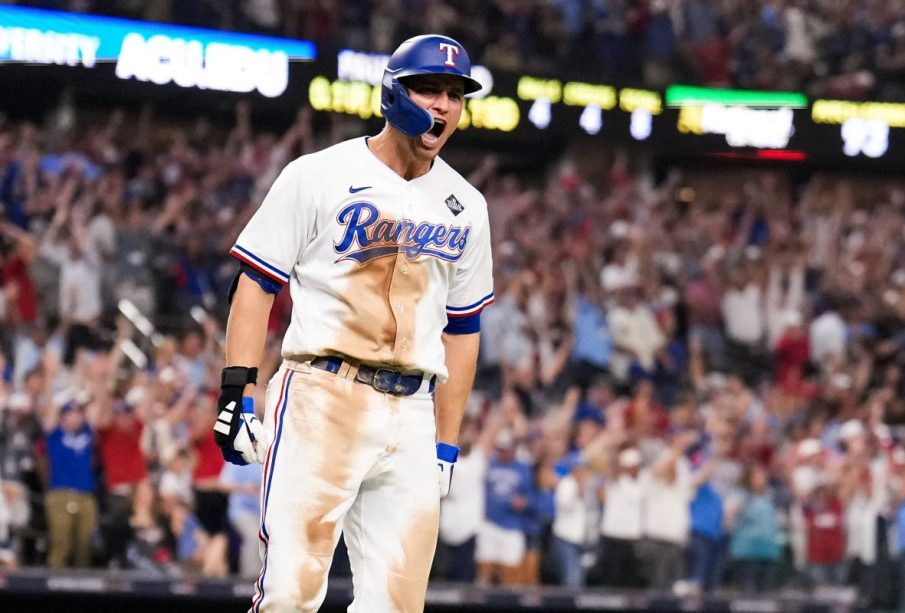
(348, 458)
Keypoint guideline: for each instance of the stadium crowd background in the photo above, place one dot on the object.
(688, 381)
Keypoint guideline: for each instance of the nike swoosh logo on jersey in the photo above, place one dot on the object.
(355, 190)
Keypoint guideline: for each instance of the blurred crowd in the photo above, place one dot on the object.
(832, 48)
(684, 384)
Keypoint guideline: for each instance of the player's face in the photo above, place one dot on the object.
(443, 96)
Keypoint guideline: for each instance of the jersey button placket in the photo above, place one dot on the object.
(397, 301)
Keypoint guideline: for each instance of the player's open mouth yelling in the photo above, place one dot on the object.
(432, 136)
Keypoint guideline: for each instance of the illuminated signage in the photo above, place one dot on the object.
(33, 45)
(362, 99)
(686, 95)
(742, 126)
(535, 88)
(575, 93)
(840, 111)
(631, 100)
(368, 68)
(867, 136)
(156, 53)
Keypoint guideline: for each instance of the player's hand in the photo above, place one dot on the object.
(446, 462)
(238, 433)
(251, 441)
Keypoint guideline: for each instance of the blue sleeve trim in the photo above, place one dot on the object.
(464, 325)
(474, 305)
(254, 261)
(267, 284)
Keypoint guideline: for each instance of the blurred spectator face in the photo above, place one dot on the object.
(124, 417)
(546, 477)
(192, 344)
(468, 434)
(757, 478)
(585, 431)
(71, 418)
(739, 278)
(600, 394)
(34, 383)
(75, 249)
(505, 446)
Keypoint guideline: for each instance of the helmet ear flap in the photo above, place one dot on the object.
(401, 111)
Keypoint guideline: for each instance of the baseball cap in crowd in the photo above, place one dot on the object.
(809, 447)
(791, 319)
(18, 401)
(504, 440)
(134, 396)
(898, 456)
(614, 278)
(853, 428)
(630, 458)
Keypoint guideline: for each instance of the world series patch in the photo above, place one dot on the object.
(454, 205)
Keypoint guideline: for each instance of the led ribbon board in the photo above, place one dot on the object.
(746, 118)
(864, 125)
(156, 53)
(356, 91)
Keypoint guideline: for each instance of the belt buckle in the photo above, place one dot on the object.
(386, 381)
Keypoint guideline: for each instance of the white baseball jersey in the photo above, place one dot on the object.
(376, 264)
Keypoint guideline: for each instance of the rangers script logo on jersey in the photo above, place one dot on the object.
(378, 237)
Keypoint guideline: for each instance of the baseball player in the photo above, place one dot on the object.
(386, 250)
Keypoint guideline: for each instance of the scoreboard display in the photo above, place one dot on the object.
(186, 69)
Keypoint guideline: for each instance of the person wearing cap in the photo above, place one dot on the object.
(509, 488)
(864, 486)
(807, 472)
(668, 489)
(621, 525)
(70, 504)
(825, 524)
(575, 524)
(792, 350)
(119, 426)
(636, 334)
(462, 511)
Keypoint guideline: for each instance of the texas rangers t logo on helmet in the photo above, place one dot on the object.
(451, 52)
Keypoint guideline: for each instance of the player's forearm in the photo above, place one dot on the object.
(451, 397)
(246, 328)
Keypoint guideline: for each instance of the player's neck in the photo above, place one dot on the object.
(397, 151)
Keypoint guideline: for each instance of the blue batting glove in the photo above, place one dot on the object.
(446, 462)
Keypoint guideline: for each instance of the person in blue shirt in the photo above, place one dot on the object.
(592, 346)
(509, 490)
(706, 531)
(755, 543)
(244, 486)
(70, 504)
(538, 526)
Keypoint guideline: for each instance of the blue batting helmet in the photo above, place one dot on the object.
(426, 54)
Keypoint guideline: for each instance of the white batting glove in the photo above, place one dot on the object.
(446, 463)
(252, 439)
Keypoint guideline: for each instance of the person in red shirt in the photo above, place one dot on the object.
(823, 515)
(17, 251)
(793, 350)
(210, 500)
(646, 417)
(124, 465)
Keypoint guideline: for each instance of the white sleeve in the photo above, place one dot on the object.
(472, 287)
(280, 228)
